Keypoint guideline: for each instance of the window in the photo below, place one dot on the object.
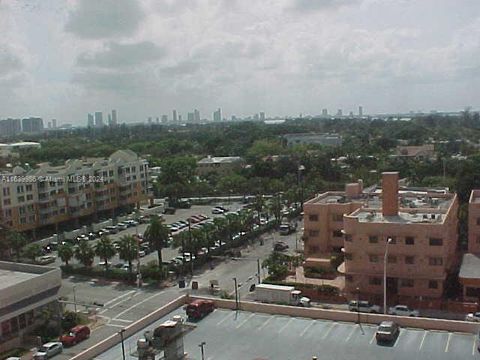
(436, 242)
(21, 199)
(29, 197)
(348, 256)
(478, 239)
(20, 189)
(406, 283)
(435, 261)
(373, 258)
(478, 221)
(6, 202)
(5, 328)
(313, 217)
(22, 321)
(337, 217)
(393, 239)
(409, 240)
(14, 325)
(6, 191)
(313, 249)
(29, 187)
(348, 237)
(373, 239)
(313, 233)
(392, 259)
(433, 284)
(375, 281)
(337, 233)
(410, 260)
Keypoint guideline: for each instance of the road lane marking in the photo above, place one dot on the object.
(265, 323)
(284, 326)
(448, 342)
(423, 339)
(304, 331)
(226, 317)
(351, 333)
(244, 321)
(329, 330)
(118, 303)
(119, 297)
(137, 304)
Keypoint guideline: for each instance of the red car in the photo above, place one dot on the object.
(76, 334)
(199, 308)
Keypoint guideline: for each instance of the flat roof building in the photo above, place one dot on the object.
(219, 164)
(313, 138)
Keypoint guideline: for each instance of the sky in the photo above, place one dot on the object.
(64, 59)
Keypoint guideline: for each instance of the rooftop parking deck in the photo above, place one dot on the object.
(245, 335)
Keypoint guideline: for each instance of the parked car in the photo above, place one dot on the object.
(402, 310)
(112, 229)
(91, 236)
(76, 334)
(474, 317)
(103, 232)
(122, 226)
(46, 259)
(387, 331)
(199, 308)
(169, 210)
(142, 253)
(82, 237)
(217, 210)
(48, 350)
(363, 306)
(280, 246)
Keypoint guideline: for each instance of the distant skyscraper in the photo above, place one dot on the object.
(360, 111)
(262, 116)
(110, 120)
(98, 119)
(114, 117)
(196, 116)
(9, 127)
(190, 117)
(157, 120)
(339, 112)
(234, 118)
(217, 115)
(32, 125)
(90, 121)
(164, 119)
(54, 123)
(179, 118)
(149, 119)
(324, 112)
(174, 119)
(49, 125)
(256, 117)
(350, 114)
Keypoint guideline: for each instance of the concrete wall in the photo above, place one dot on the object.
(130, 330)
(337, 315)
(474, 223)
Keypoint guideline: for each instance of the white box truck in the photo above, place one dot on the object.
(280, 294)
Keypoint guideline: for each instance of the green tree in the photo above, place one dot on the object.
(32, 251)
(16, 242)
(157, 233)
(275, 207)
(128, 249)
(277, 265)
(66, 252)
(84, 253)
(105, 250)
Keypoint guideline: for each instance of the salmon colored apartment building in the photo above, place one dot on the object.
(416, 227)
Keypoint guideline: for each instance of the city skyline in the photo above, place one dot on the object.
(60, 61)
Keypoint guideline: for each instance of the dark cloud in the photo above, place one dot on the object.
(99, 19)
(117, 55)
(318, 5)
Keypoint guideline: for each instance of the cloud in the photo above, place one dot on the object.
(319, 5)
(100, 19)
(116, 55)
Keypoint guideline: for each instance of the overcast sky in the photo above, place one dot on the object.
(63, 59)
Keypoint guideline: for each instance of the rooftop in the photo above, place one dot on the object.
(219, 159)
(470, 268)
(366, 215)
(16, 273)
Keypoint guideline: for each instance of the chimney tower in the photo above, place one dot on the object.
(390, 193)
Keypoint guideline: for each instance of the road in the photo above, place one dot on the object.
(244, 335)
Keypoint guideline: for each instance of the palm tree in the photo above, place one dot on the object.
(208, 235)
(84, 253)
(157, 234)
(105, 250)
(128, 249)
(259, 205)
(65, 252)
(32, 251)
(16, 242)
(275, 207)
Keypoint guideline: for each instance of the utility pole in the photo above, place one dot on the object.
(385, 259)
(236, 293)
(258, 271)
(202, 345)
(75, 298)
(123, 345)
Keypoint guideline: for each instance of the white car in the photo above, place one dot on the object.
(475, 317)
(48, 350)
(122, 226)
(402, 310)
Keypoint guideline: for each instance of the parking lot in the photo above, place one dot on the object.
(243, 335)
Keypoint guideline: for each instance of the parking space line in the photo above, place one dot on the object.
(329, 330)
(304, 331)
(351, 333)
(473, 347)
(226, 317)
(423, 339)
(397, 340)
(373, 338)
(137, 304)
(119, 297)
(448, 342)
(123, 320)
(284, 326)
(244, 321)
(265, 323)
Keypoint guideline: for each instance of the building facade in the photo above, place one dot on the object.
(51, 195)
(220, 165)
(313, 138)
(28, 293)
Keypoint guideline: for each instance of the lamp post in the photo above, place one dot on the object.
(385, 259)
(236, 293)
(75, 298)
(258, 271)
(301, 168)
(357, 290)
(202, 345)
(123, 345)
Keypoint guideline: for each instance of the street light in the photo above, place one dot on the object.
(301, 168)
(357, 290)
(75, 298)
(123, 345)
(389, 241)
(236, 293)
(202, 345)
